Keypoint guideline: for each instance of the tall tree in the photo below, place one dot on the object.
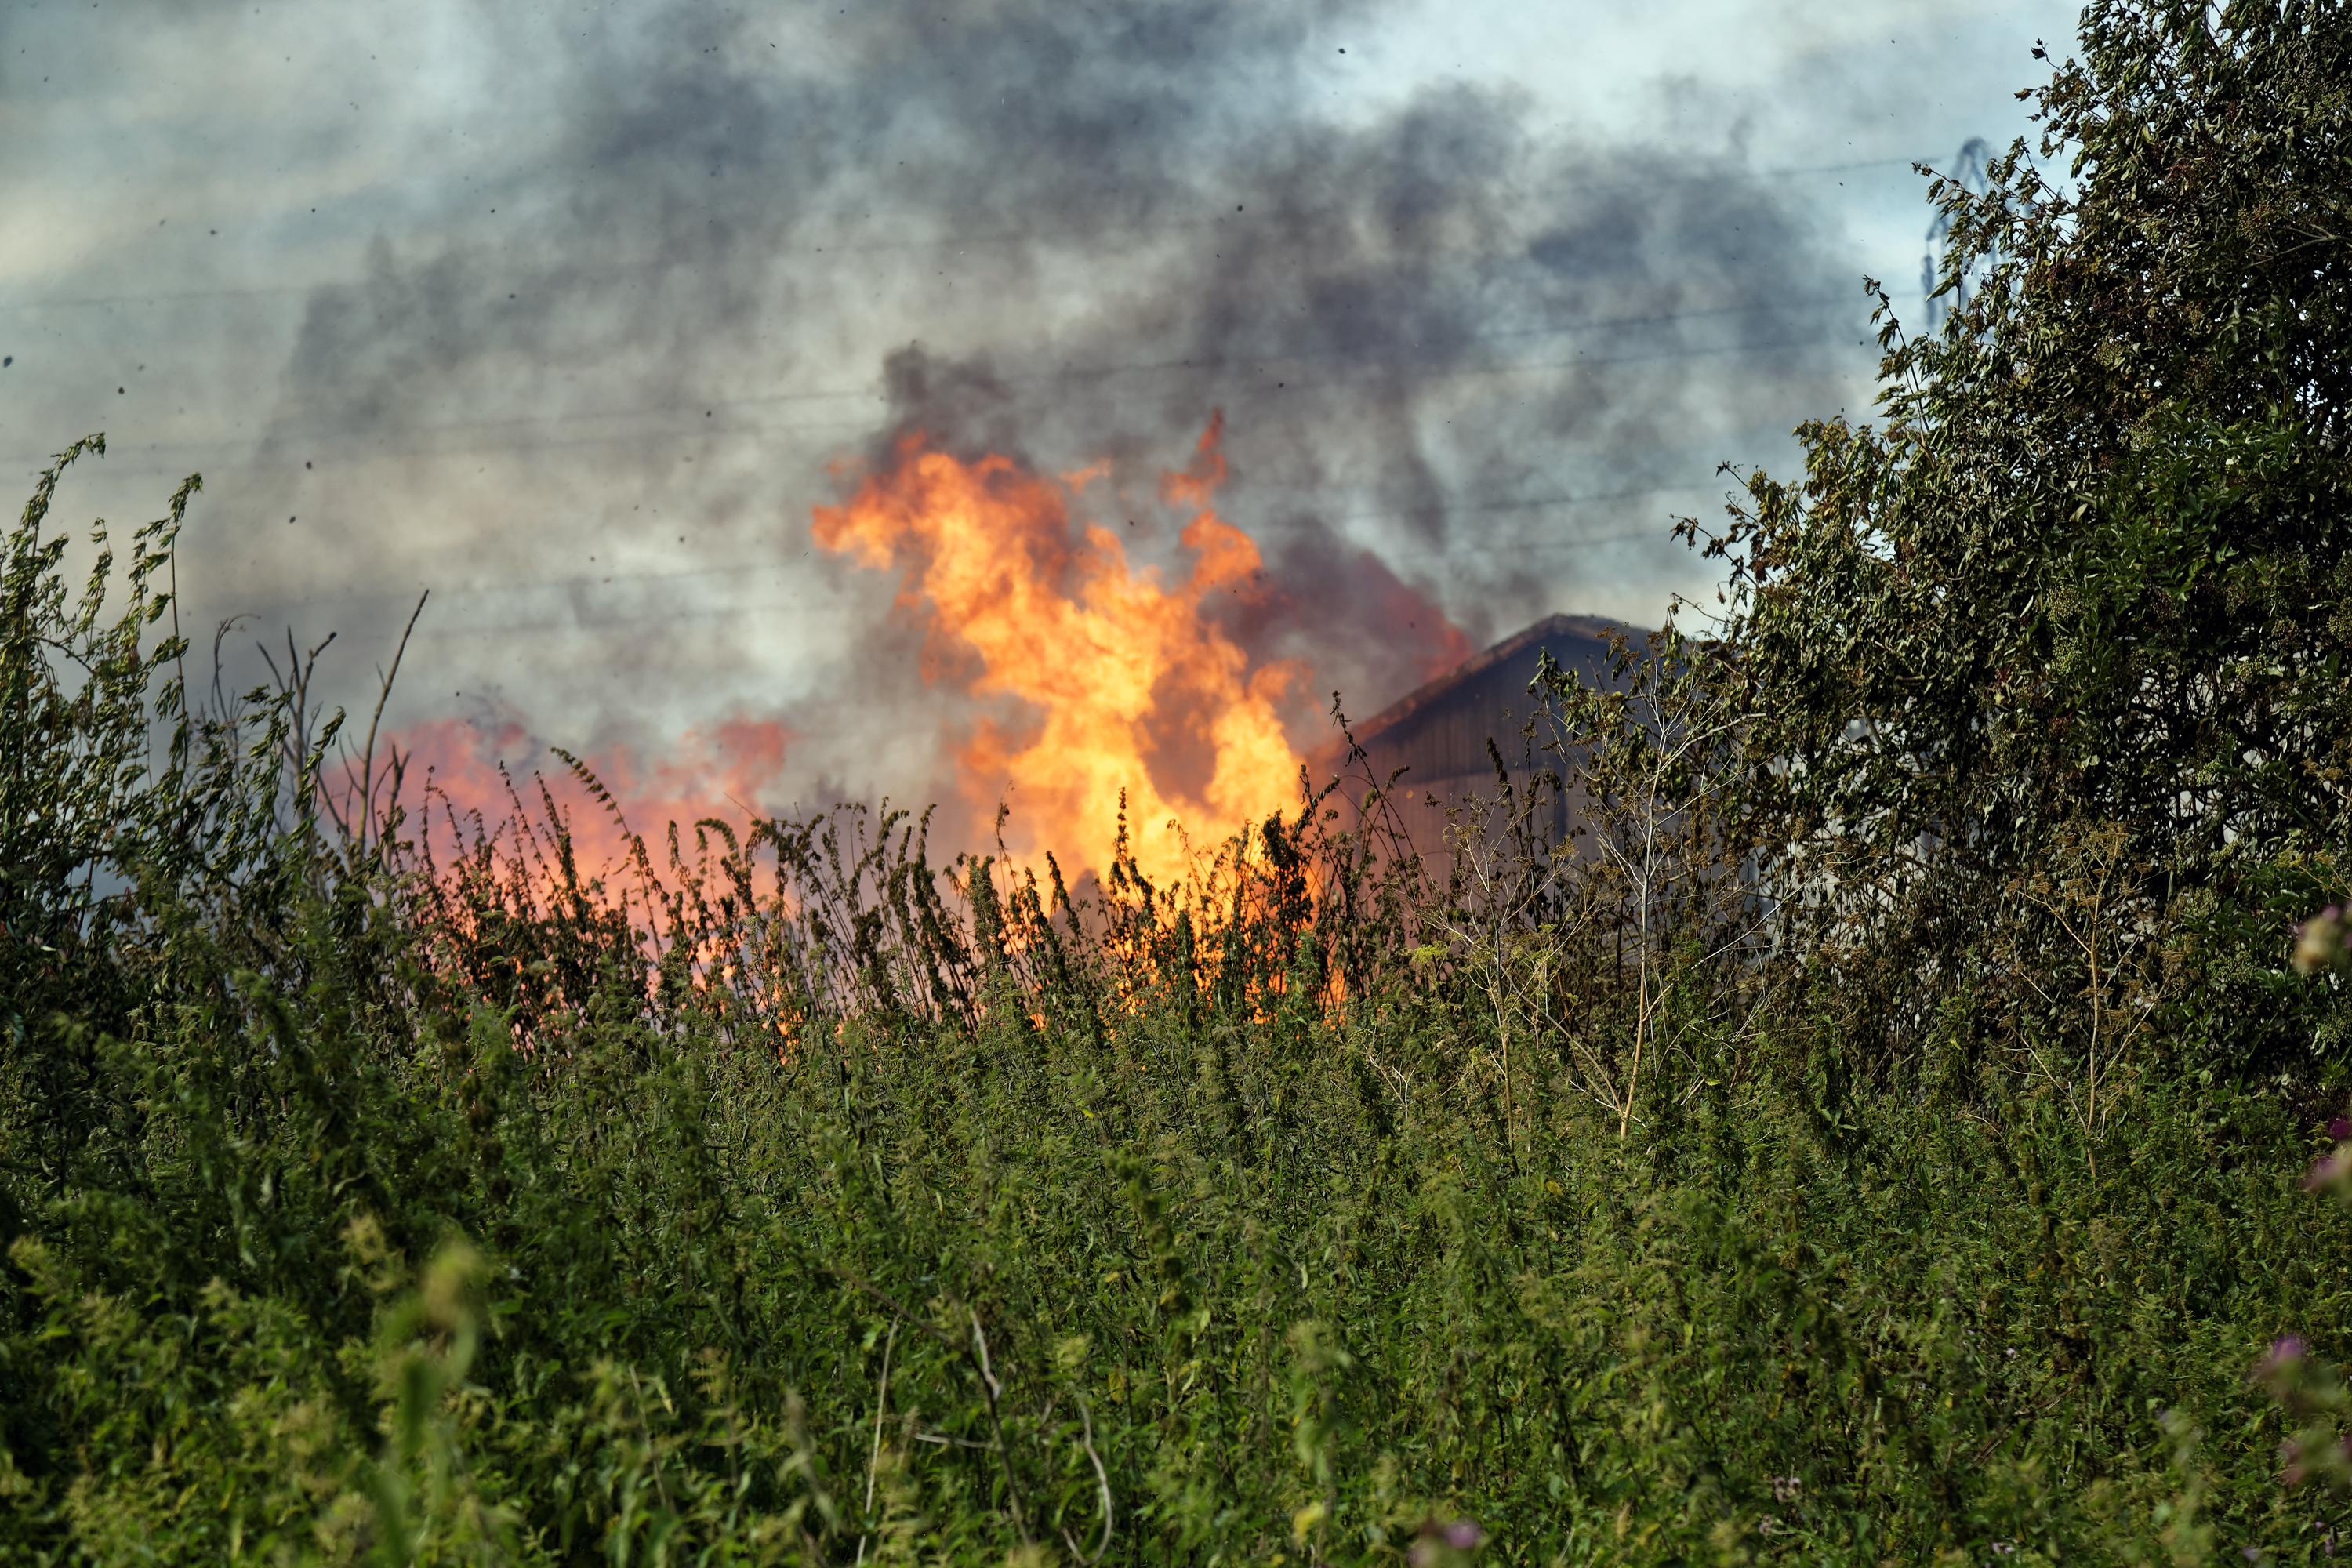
(2049, 665)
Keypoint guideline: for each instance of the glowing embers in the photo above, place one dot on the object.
(1139, 689)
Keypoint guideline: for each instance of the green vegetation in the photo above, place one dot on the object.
(1879, 1138)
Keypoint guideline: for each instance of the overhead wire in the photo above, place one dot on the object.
(1023, 235)
(351, 442)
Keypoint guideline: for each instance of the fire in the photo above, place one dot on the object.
(1124, 667)
(723, 771)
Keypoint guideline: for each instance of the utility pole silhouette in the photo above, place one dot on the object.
(1968, 172)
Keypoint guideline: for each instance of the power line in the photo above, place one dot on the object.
(351, 443)
(984, 237)
(669, 617)
(741, 569)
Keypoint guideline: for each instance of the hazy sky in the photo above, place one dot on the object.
(570, 313)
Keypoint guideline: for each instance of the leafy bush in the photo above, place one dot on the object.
(2090, 573)
(496, 1216)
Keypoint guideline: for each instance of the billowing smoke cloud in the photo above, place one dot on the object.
(590, 380)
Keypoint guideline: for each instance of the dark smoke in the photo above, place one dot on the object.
(748, 245)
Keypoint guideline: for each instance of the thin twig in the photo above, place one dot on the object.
(903, 1316)
(1003, 1457)
(1102, 1482)
(367, 753)
(874, 1459)
(944, 1441)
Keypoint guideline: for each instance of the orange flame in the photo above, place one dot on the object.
(1126, 668)
(721, 772)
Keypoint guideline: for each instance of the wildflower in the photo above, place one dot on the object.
(2320, 939)
(2282, 1360)
(1441, 1544)
(2332, 1170)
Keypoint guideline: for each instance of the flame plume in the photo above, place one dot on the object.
(725, 770)
(1127, 670)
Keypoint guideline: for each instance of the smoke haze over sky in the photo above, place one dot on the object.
(571, 313)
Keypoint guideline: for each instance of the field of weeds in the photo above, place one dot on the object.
(1895, 1127)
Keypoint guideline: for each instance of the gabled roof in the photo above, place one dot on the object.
(1550, 629)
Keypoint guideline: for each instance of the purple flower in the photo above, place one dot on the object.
(2281, 1366)
(2340, 1128)
(1463, 1535)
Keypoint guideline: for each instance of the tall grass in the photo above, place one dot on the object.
(784, 1196)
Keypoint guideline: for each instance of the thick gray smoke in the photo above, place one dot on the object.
(589, 376)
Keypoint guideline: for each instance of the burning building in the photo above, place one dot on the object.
(1436, 741)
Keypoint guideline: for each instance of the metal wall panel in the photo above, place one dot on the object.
(1438, 736)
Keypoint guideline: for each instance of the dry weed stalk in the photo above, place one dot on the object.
(2096, 896)
(1582, 936)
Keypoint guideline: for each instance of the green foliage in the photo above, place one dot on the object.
(919, 1288)
(2091, 571)
(861, 1211)
(1874, 1137)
